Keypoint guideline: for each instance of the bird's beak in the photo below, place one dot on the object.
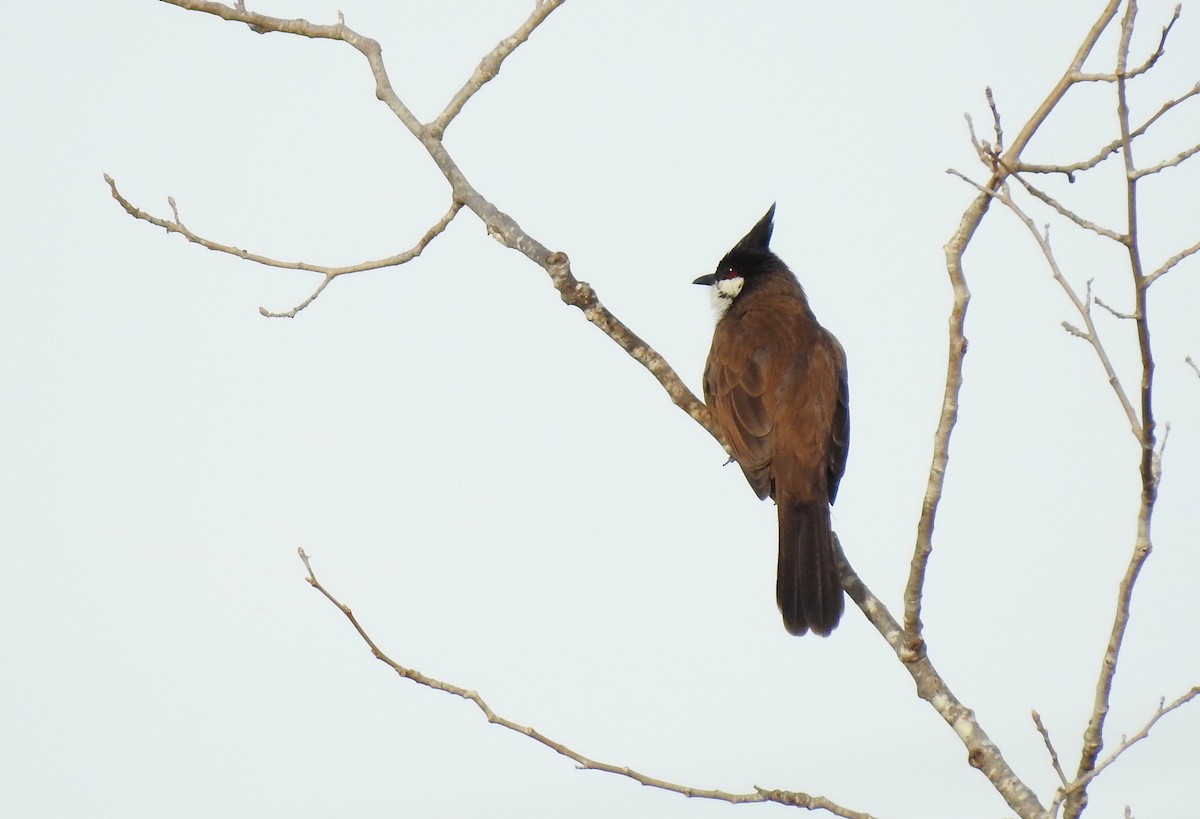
(710, 279)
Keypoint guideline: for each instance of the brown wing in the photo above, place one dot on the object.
(839, 433)
(734, 389)
(794, 435)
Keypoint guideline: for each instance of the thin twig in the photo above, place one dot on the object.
(1192, 363)
(1109, 149)
(175, 225)
(796, 799)
(489, 66)
(1164, 108)
(1171, 262)
(980, 151)
(1068, 213)
(1041, 729)
(1127, 74)
(996, 128)
(1163, 709)
(1115, 312)
(1178, 159)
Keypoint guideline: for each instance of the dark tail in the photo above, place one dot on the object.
(808, 587)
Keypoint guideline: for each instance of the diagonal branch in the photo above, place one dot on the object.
(1171, 262)
(1054, 763)
(982, 753)
(1066, 212)
(176, 225)
(1178, 159)
(795, 799)
(489, 66)
(500, 225)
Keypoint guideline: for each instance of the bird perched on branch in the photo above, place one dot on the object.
(775, 384)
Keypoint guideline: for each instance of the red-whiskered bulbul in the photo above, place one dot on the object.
(776, 385)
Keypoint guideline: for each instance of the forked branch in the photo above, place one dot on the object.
(1093, 735)
(796, 799)
(1137, 405)
(500, 225)
(1000, 167)
(1080, 783)
(176, 225)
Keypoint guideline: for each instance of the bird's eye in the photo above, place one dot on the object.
(728, 273)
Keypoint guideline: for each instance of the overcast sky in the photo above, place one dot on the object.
(508, 501)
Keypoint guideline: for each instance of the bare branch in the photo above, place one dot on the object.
(1109, 149)
(982, 753)
(175, 225)
(1166, 106)
(988, 153)
(999, 131)
(1093, 737)
(1192, 363)
(500, 225)
(1117, 313)
(1178, 159)
(1129, 74)
(1075, 167)
(1041, 729)
(947, 420)
(792, 798)
(1082, 305)
(262, 311)
(400, 258)
(984, 156)
(1160, 49)
(1075, 331)
(1171, 262)
(489, 67)
(1163, 709)
(1070, 214)
(954, 249)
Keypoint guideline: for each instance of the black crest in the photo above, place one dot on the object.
(759, 237)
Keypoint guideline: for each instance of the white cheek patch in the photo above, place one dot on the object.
(728, 288)
(724, 292)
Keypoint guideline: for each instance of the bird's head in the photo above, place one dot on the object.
(748, 259)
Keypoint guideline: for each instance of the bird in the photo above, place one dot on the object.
(776, 386)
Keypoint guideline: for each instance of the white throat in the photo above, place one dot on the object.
(724, 292)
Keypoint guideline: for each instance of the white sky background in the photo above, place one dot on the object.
(509, 502)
